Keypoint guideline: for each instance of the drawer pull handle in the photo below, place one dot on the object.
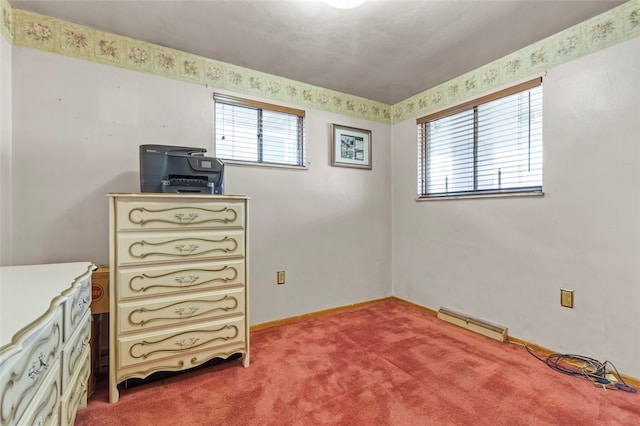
(184, 281)
(83, 302)
(82, 344)
(188, 218)
(43, 366)
(80, 387)
(181, 248)
(184, 343)
(187, 311)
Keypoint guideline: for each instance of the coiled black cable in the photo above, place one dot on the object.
(579, 365)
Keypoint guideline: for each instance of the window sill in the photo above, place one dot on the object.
(488, 195)
(270, 165)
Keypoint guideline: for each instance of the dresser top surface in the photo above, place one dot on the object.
(166, 196)
(26, 292)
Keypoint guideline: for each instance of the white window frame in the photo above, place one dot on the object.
(260, 108)
(472, 105)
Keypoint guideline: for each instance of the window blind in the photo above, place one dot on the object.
(492, 145)
(256, 132)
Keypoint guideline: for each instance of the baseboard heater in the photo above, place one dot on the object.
(493, 331)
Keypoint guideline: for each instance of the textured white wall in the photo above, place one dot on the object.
(5, 151)
(77, 128)
(505, 260)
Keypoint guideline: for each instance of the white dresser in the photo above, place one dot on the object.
(179, 280)
(45, 326)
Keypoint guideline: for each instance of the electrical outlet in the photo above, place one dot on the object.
(566, 298)
(280, 277)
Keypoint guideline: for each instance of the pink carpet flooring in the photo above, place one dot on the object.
(382, 364)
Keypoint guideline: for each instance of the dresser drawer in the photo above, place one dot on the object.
(74, 350)
(197, 214)
(174, 311)
(138, 349)
(76, 307)
(137, 248)
(23, 374)
(166, 280)
(45, 407)
(75, 397)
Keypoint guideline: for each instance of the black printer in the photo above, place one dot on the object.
(179, 169)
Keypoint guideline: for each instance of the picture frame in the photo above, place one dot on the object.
(350, 147)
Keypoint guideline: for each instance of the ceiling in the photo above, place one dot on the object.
(383, 50)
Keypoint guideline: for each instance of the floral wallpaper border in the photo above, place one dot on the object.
(6, 20)
(66, 38)
(612, 27)
(53, 35)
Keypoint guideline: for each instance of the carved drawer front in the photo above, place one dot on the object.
(136, 349)
(195, 214)
(24, 374)
(160, 280)
(75, 397)
(74, 350)
(174, 311)
(75, 307)
(45, 406)
(161, 247)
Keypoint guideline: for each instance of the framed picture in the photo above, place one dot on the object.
(350, 147)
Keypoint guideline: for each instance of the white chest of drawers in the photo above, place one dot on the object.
(179, 280)
(45, 326)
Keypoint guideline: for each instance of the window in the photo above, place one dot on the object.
(491, 145)
(255, 132)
